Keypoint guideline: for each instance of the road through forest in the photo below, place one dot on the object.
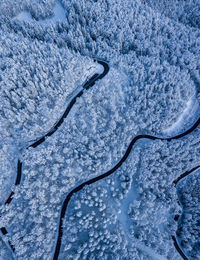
(86, 86)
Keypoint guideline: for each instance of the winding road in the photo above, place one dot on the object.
(86, 86)
(108, 173)
(176, 243)
(179, 250)
(72, 101)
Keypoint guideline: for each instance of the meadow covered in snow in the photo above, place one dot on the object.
(136, 126)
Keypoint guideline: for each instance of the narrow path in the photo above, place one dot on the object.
(86, 86)
(108, 173)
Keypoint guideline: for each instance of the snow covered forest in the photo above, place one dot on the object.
(99, 129)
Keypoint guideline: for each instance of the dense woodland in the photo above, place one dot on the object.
(153, 51)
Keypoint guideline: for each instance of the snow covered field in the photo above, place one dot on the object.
(57, 16)
(121, 79)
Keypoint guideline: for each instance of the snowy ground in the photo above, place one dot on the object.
(58, 16)
(47, 51)
(5, 252)
(187, 118)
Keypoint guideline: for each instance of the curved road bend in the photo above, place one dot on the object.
(10, 197)
(185, 174)
(106, 174)
(178, 248)
(86, 86)
(176, 244)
